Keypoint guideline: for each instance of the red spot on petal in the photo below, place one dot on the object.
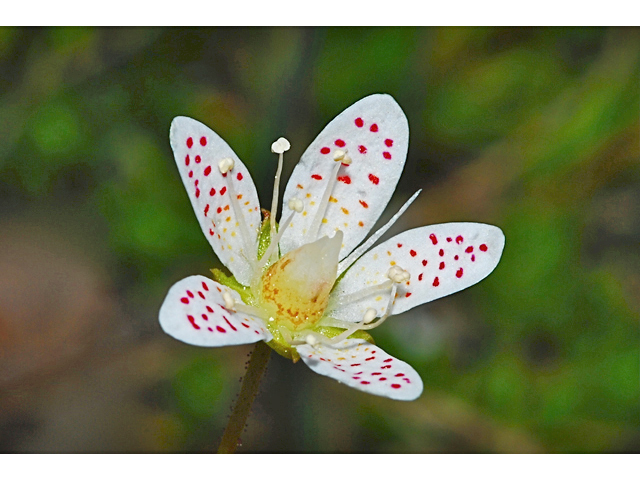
(420, 277)
(370, 358)
(433, 238)
(355, 364)
(469, 249)
(399, 245)
(459, 239)
(424, 263)
(245, 325)
(436, 282)
(198, 159)
(483, 247)
(395, 385)
(211, 232)
(346, 179)
(340, 143)
(359, 122)
(190, 173)
(204, 317)
(189, 293)
(186, 160)
(386, 155)
(374, 127)
(230, 324)
(388, 142)
(203, 141)
(212, 192)
(210, 329)
(459, 273)
(408, 294)
(376, 373)
(209, 309)
(362, 149)
(239, 176)
(201, 295)
(399, 374)
(473, 258)
(325, 150)
(184, 300)
(193, 322)
(223, 190)
(375, 180)
(197, 192)
(449, 239)
(382, 379)
(207, 171)
(413, 253)
(189, 142)
(220, 329)
(205, 286)
(441, 253)
(219, 210)
(388, 360)
(206, 210)
(441, 265)
(364, 204)
(364, 382)
(456, 257)
(315, 176)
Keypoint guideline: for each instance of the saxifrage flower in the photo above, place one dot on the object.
(310, 286)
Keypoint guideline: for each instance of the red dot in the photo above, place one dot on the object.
(382, 378)
(220, 329)
(201, 295)
(359, 122)
(340, 143)
(209, 309)
(433, 238)
(399, 375)
(198, 159)
(212, 192)
(197, 192)
(203, 141)
(459, 273)
(374, 127)
(184, 300)
(190, 173)
(204, 317)
(376, 373)
(483, 247)
(219, 210)
(388, 142)
(386, 155)
(210, 329)
(441, 253)
(364, 204)
(473, 258)
(413, 253)
(325, 150)
(469, 249)
(193, 322)
(362, 149)
(189, 142)
(441, 265)
(399, 245)
(448, 239)
(436, 282)
(186, 160)
(189, 293)
(211, 232)
(204, 285)
(424, 263)
(346, 179)
(223, 190)
(459, 239)
(408, 294)
(207, 171)
(420, 277)
(375, 180)
(364, 382)
(456, 257)
(395, 385)
(315, 176)
(206, 210)
(388, 360)
(239, 176)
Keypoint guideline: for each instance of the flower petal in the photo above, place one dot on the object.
(232, 234)
(365, 367)
(194, 313)
(441, 259)
(375, 132)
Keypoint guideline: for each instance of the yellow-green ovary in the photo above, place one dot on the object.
(295, 290)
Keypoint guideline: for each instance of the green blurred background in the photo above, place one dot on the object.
(535, 130)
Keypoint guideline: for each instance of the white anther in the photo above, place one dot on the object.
(280, 146)
(338, 155)
(346, 160)
(226, 164)
(296, 204)
(311, 340)
(398, 275)
(229, 302)
(369, 315)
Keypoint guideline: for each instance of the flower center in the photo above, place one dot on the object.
(294, 291)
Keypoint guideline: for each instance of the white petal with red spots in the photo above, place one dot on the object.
(198, 151)
(194, 313)
(442, 259)
(376, 134)
(365, 367)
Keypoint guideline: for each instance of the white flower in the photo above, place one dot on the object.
(308, 286)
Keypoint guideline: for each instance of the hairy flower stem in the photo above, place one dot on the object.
(250, 384)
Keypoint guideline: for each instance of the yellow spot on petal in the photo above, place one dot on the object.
(224, 230)
(346, 224)
(228, 219)
(304, 214)
(308, 195)
(324, 220)
(375, 256)
(392, 263)
(361, 224)
(333, 200)
(388, 253)
(312, 203)
(240, 196)
(247, 203)
(345, 211)
(233, 234)
(378, 298)
(299, 186)
(226, 208)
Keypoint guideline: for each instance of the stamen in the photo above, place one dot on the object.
(358, 252)
(226, 164)
(369, 315)
(398, 275)
(343, 300)
(274, 244)
(229, 302)
(312, 234)
(279, 146)
(296, 204)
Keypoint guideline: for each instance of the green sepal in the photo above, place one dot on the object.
(331, 332)
(264, 236)
(231, 282)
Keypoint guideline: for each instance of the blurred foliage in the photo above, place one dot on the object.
(532, 129)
